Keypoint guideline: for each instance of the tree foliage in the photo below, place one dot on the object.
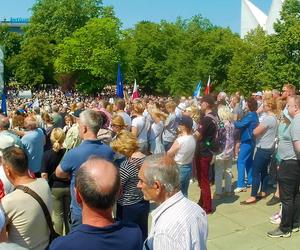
(51, 22)
(57, 19)
(80, 41)
(11, 43)
(91, 54)
(34, 65)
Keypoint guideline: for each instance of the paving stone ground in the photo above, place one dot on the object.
(233, 226)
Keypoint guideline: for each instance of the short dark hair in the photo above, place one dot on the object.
(90, 192)
(209, 100)
(17, 158)
(252, 104)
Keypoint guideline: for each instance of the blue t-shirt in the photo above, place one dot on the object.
(74, 158)
(114, 237)
(34, 142)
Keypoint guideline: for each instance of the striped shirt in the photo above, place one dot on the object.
(177, 224)
(129, 170)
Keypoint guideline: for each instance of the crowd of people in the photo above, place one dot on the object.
(95, 163)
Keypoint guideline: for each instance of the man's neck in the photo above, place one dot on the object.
(21, 180)
(90, 136)
(97, 218)
(165, 197)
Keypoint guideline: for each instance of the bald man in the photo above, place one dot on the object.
(97, 185)
(33, 140)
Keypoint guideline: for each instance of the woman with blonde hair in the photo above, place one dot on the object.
(131, 206)
(117, 125)
(155, 137)
(194, 113)
(223, 161)
(140, 125)
(59, 187)
(170, 131)
(265, 134)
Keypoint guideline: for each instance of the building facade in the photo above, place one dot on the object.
(15, 24)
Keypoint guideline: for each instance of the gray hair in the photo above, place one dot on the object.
(162, 168)
(92, 119)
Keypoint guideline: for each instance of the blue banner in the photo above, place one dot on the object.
(119, 91)
(3, 104)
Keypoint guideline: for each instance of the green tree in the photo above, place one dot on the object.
(91, 54)
(283, 62)
(51, 22)
(57, 19)
(11, 43)
(34, 65)
(247, 70)
(144, 51)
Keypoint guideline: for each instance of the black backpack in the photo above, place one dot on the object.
(217, 145)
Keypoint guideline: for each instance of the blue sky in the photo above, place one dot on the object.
(225, 13)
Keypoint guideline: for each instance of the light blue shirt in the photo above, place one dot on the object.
(34, 142)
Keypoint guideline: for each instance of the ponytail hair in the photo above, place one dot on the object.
(57, 138)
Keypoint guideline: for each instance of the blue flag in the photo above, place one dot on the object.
(198, 90)
(3, 104)
(119, 91)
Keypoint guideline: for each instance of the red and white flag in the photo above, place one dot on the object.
(135, 92)
(207, 88)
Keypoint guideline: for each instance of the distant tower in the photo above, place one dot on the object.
(274, 15)
(252, 17)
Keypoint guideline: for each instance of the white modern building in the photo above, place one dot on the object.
(252, 17)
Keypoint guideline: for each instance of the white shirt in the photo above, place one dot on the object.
(142, 126)
(177, 224)
(185, 153)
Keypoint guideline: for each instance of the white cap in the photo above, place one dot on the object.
(5, 142)
(259, 93)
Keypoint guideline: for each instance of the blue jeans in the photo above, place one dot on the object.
(136, 213)
(261, 162)
(185, 173)
(244, 162)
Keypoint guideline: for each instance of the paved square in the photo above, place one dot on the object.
(233, 226)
